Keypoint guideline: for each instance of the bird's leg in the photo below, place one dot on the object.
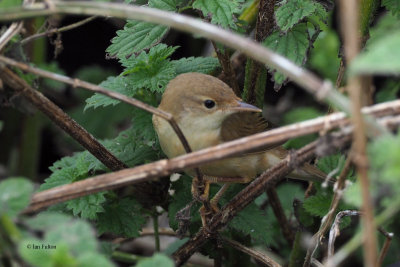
(214, 201)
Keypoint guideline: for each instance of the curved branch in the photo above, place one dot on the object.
(322, 90)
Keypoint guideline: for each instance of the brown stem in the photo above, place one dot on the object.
(57, 30)
(334, 232)
(385, 248)
(349, 13)
(61, 119)
(247, 195)
(264, 26)
(251, 252)
(229, 75)
(195, 159)
(276, 206)
(328, 218)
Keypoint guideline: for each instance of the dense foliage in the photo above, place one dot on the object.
(82, 228)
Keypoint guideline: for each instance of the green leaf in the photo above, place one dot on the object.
(1, 125)
(157, 259)
(381, 54)
(136, 36)
(181, 197)
(393, 6)
(383, 57)
(15, 195)
(150, 70)
(292, 45)
(168, 5)
(196, 64)
(116, 84)
(87, 206)
(388, 91)
(292, 11)
(10, 3)
(67, 170)
(251, 221)
(324, 57)
(220, 11)
(318, 205)
(66, 242)
(121, 217)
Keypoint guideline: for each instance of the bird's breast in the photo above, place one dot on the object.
(197, 136)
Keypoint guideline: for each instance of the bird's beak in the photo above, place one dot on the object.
(242, 106)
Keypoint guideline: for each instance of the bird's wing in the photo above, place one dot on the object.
(250, 123)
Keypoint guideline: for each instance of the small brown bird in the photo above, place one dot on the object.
(209, 113)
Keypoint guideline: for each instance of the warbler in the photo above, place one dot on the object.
(209, 113)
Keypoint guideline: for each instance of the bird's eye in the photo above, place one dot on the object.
(209, 103)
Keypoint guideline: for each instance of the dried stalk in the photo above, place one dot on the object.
(328, 218)
(385, 248)
(349, 14)
(322, 90)
(335, 230)
(248, 194)
(195, 159)
(276, 206)
(57, 30)
(60, 118)
(261, 257)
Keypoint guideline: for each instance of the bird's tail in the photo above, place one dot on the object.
(308, 172)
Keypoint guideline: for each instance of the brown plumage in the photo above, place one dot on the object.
(209, 113)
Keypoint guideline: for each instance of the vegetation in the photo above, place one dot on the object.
(98, 227)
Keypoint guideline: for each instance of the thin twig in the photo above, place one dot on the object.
(259, 256)
(335, 229)
(349, 14)
(60, 118)
(167, 167)
(328, 218)
(248, 194)
(57, 30)
(322, 90)
(229, 75)
(357, 240)
(276, 206)
(9, 33)
(386, 245)
(323, 124)
(97, 89)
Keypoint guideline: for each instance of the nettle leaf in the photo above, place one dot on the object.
(150, 70)
(382, 57)
(67, 170)
(168, 5)
(393, 6)
(139, 35)
(117, 84)
(136, 36)
(204, 65)
(293, 11)
(252, 221)
(121, 217)
(74, 240)
(220, 11)
(88, 206)
(292, 45)
(181, 197)
(15, 195)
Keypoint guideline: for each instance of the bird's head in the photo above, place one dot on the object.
(196, 96)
